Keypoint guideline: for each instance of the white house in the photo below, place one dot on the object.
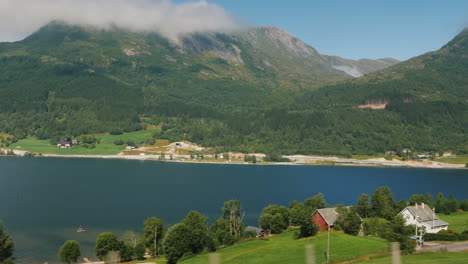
(423, 216)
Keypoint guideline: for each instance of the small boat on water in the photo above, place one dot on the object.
(80, 230)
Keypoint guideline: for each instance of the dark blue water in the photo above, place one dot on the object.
(44, 200)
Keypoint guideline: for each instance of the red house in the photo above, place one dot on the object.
(325, 218)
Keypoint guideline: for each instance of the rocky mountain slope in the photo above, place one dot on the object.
(258, 90)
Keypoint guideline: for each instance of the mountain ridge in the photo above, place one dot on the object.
(261, 90)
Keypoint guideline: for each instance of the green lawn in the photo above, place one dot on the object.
(106, 146)
(285, 248)
(458, 221)
(44, 146)
(432, 258)
(460, 159)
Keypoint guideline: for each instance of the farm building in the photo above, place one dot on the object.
(67, 143)
(423, 215)
(325, 218)
(257, 230)
(64, 144)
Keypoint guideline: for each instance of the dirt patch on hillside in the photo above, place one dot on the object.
(373, 106)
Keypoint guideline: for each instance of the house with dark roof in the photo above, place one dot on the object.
(325, 219)
(422, 215)
(257, 230)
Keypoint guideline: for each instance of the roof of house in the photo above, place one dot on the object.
(329, 215)
(425, 213)
(436, 222)
(257, 230)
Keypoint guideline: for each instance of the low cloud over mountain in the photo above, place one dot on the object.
(19, 18)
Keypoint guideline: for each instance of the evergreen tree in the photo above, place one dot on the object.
(441, 204)
(382, 203)
(452, 204)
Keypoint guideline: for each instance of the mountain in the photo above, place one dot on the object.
(113, 76)
(438, 76)
(256, 90)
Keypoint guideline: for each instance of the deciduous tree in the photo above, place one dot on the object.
(6, 246)
(70, 252)
(152, 234)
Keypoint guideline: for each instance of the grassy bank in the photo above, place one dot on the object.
(285, 248)
(458, 221)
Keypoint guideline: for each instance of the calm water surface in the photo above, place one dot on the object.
(44, 200)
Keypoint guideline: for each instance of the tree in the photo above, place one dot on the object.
(418, 199)
(316, 202)
(452, 204)
(105, 243)
(132, 238)
(382, 203)
(6, 246)
(177, 242)
(219, 231)
(440, 204)
(307, 229)
(70, 252)
(298, 213)
(363, 208)
(139, 251)
(198, 225)
(126, 251)
(352, 222)
(232, 213)
(152, 234)
(430, 199)
(274, 218)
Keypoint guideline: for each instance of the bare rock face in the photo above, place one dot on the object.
(284, 40)
(130, 52)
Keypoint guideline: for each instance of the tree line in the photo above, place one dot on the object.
(377, 214)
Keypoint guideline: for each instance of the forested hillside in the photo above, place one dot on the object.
(259, 90)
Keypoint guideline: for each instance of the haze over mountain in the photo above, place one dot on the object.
(248, 90)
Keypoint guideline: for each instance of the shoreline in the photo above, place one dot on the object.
(296, 160)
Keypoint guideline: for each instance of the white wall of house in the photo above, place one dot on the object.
(436, 229)
(410, 219)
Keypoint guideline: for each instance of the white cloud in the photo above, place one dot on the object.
(18, 18)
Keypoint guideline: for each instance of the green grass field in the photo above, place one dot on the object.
(285, 248)
(106, 146)
(423, 258)
(460, 159)
(458, 221)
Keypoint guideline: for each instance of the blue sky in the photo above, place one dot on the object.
(359, 28)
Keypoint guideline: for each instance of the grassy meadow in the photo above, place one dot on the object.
(423, 258)
(458, 221)
(460, 159)
(105, 147)
(285, 248)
